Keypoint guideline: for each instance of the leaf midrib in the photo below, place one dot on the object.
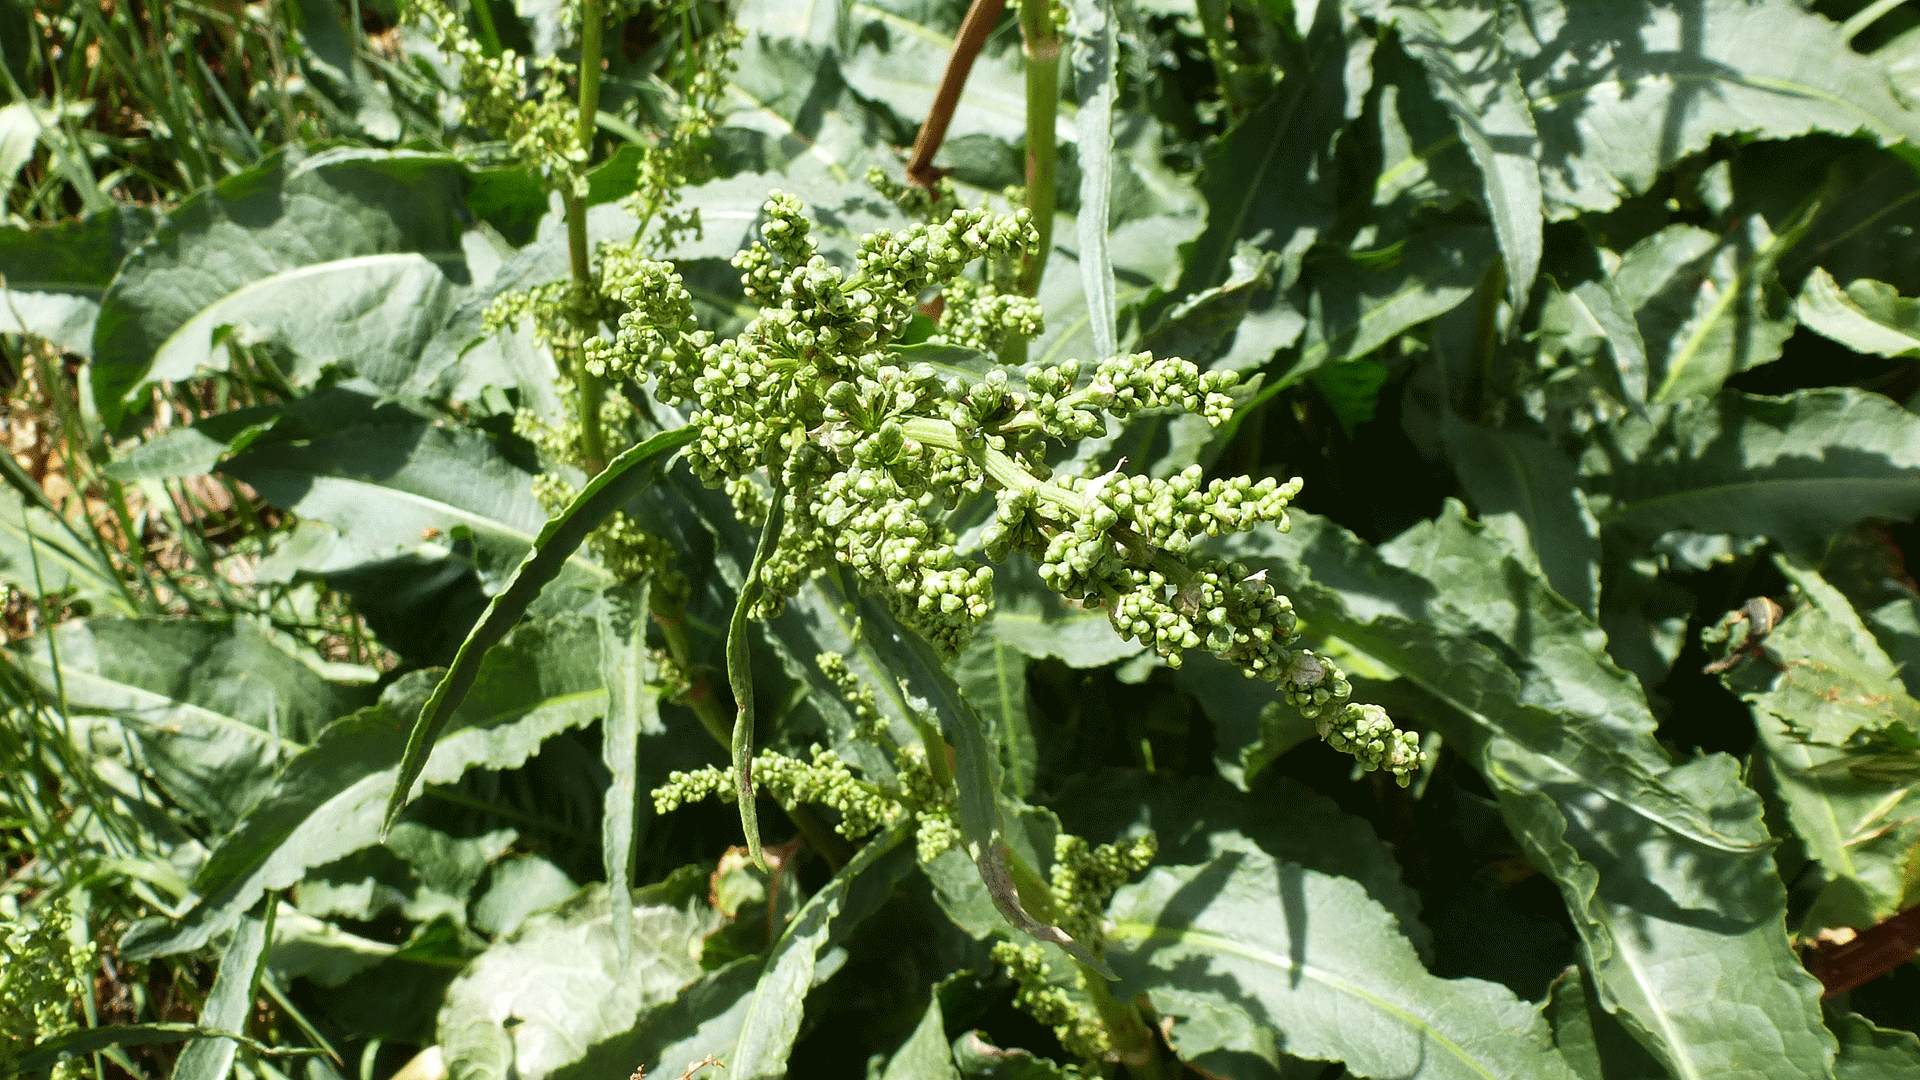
(1209, 940)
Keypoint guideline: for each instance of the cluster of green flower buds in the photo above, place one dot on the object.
(869, 448)
(43, 974)
(540, 129)
(825, 781)
(1367, 732)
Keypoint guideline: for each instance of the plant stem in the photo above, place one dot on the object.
(593, 448)
(669, 612)
(1040, 41)
(966, 46)
(1132, 1040)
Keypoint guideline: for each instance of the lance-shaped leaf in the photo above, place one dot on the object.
(1476, 75)
(230, 1001)
(773, 1017)
(328, 802)
(623, 478)
(534, 1003)
(1867, 316)
(976, 776)
(348, 256)
(1093, 52)
(633, 709)
(1253, 956)
(1797, 469)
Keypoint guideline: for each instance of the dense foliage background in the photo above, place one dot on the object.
(1589, 326)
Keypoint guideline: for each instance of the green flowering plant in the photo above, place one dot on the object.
(44, 974)
(867, 451)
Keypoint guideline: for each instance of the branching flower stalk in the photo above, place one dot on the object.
(867, 452)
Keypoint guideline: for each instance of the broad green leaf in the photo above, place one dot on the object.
(52, 276)
(1405, 623)
(534, 1003)
(1867, 316)
(1359, 306)
(1666, 870)
(633, 708)
(772, 1020)
(1092, 55)
(379, 481)
(230, 1001)
(1688, 946)
(897, 58)
(1706, 303)
(704, 1020)
(1797, 469)
(43, 555)
(925, 1055)
(238, 668)
(328, 802)
(1196, 820)
(1823, 679)
(624, 477)
(519, 886)
(350, 257)
(1621, 91)
(1526, 489)
(1321, 965)
(208, 711)
(1477, 77)
(1871, 1052)
(1594, 1043)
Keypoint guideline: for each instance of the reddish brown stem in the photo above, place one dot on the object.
(973, 34)
(1873, 953)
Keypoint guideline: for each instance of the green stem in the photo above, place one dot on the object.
(592, 391)
(1040, 41)
(1132, 1040)
(740, 674)
(669, 611)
